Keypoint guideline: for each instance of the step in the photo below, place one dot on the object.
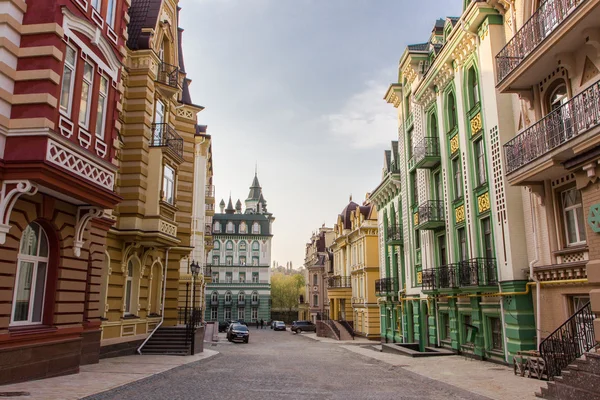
(584, 364)
(559, 391)
(174, 353)
(168, 342)
(580, 379)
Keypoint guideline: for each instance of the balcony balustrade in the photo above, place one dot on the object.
(386, 286)
(337, 282)
(207, 229)
(207, 271)
(227, 302)
(425, 154)
(163, 135)
(469, 273)
(549, 15)
(209, 208)
(214, 302)
(430, 215)
(394, 235)
(255, 302)
(577, 116)
(168, 75)
(209, 191)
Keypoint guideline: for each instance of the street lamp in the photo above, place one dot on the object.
(195, 269)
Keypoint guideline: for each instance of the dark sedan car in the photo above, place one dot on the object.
(303, 326)
(279, 326)
(238, 332)
(223, 325)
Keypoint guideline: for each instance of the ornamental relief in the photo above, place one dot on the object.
(483, 202)
(459, 213)
(476, 124)
(416, 219)
(454, 144)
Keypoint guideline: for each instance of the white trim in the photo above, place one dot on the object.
(101, 134)
(73, 69)
(88, 102)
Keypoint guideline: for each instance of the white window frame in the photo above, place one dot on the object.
(229, 245)
(572, 209)
(214, 296)
(230, 228)
(241, 296)
(255, 277)
(244, 244)
(97, 4)
(257, 247)
(214, 313)
(111, 8)
(228, 260)
(256, 228)
(242, 313)
(101, 108)
(215, 277)
(216, 245)
(71, 82)
(35, 260)
(243, 227)
(227, 313)
(254, 314)
(254, 297)
(88, 102)
(168, 184)
(217, 227)
(242, 277)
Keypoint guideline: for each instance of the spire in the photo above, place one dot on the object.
(222, 206)
(229, 209)
(238, 207)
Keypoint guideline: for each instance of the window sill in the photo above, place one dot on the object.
(30, 329)
(130, 316)
(577, 248)
(168, 206)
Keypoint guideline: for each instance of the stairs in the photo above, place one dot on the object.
(580, 380)
(168, 340)
(343, 331)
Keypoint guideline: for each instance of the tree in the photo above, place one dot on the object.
(285, 290)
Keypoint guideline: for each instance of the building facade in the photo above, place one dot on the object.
(60, 99)
(462, 263)
(553, 156)
(314, 304)
(240, 261)
(151, 235)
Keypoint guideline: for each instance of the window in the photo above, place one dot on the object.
(255, 297)
(228, 313)
(216, 245)
(228, 297)
(217, 227)
(242, 245)
(255, 246)
(229, 245)
(86, 94)
(230, 228)
(169, 185)
(558, 96)
(214, 313)
(441, 242)
(159, 113)
(254, 261)
(451, 111)
(155, 298)
(241, 297)
(229, 260)
(110, 13)
(486, 230)
(101, 109)
(243, 227)
(573, 217)
(445, 327)
(480, 162)
(242, 260)
(315, 279)
(255, 314)
(214, 297)
(496, 328)
(97, 4)
(30, 288)
(433, 128)
(228, 277)
(215, 277)
(457, 173)
(462, 244)
(216, 260)
(438, 191)
(409, 143)
(68, 80)
(242, 277)
(241, 313)
(473, 87)
(315, 300)
(131, 288)
(255, 228)
(255, 277)
(415, 188)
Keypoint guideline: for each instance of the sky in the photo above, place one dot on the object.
(295, 87)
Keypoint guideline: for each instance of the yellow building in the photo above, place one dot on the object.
(151, 234)
(363, 252)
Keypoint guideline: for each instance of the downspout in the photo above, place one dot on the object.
(162, 307)
(532, 276)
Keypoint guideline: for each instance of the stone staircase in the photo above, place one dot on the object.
(168, 340)
(580, 380)
(344, 334)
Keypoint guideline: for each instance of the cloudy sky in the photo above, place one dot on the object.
(297, 87)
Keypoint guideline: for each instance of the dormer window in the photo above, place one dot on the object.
(243, 227)
(256, 228)
(217, 227)
(230, 227)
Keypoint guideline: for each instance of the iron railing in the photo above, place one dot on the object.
(192, 321)
(477, 272)
(431, 211)
(241, 303)
(570, 341)
(385, 286)
(168, 74)
(207, 271)
(549, 15)
(209, 207)
(349, 326)
(428, 279)
(339, 282)
(428, 147)
(394, 167)
(214, 302)
(186, 315)
(571, 119)
(210, 191)
(331, 324)
(394, 233)
(163, 135)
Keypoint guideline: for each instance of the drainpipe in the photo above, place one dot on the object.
(162, 307)
(532, 275)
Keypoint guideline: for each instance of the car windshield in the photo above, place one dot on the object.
(240, 328)
(278, 323)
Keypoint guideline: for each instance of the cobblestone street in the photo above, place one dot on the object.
(284, 365)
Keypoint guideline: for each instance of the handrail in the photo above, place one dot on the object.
(339, 282)
(168, 74)
(431, 211)
(348, 327)
(569, 341)
(384, 286)
(164, 135)
(579, 114)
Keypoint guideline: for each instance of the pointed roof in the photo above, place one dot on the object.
(222, 203)
(238, 205)
(229, 209)
(255, 189)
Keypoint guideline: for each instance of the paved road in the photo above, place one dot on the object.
(284, 365)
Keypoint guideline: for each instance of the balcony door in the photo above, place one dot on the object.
(159, 119)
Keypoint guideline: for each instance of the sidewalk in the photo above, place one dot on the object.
(357, 340)
(108, 374)
(481, 377)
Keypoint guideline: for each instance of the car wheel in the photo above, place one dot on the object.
(246, 340)
(298, 330)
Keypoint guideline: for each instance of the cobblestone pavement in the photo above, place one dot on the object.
(285, 365)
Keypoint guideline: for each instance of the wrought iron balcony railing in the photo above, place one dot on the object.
(168, 74)
(430, 214)
(394, 234)
(576, 116)
(386, 286)
(426, 153)
(255, 302)
(336, 282)
(210, 191)
(207, 271)
(163, 135)
(549, 15)
(474, 272)
(569, 342)
(241, 303)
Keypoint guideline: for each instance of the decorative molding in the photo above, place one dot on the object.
(454, 144)
(459, 213)
(476, 124)
(82, 3)
(463, 50)
(100, 147)
(85, 139)
(65, 125)
(127, 249)
(185, 113)
(483, 202)
(416, 219)
(84, 215)
(594, 218)
(78, 164)
(10, 193)
(592, 38)
(97, 18)
(166, 228)
(148, 252)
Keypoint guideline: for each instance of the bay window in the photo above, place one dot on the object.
(101, 108)
(68, 80)
(169, 185)
(86, 94)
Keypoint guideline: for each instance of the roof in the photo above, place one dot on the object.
(365, 210)
(230, 209)
(419, 47)
(143, 14)
(346, 214)
(180, 44)
(263, 221)
(255, 189)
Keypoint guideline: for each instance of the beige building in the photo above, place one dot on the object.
(317, 263)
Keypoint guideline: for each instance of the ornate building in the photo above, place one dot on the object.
(318, 259)
(152, 234)
(61, 93)
(240, 261)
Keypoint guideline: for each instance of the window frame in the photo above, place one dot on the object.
(71, 84)
(111, 11)
(457, 179)
(480, 162)
(214, 313)
(88, 101)
(169, 184)
(564, 216)
(101, 110)
(227, 313)
(256, 228)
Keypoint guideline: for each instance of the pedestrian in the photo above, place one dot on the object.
(262, 323)
(257, 324)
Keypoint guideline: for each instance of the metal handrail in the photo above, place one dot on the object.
(164, 135)
(576, 116)
(429, 146)
(384, 286)
(394, 233)
(168, 74)
(538, 27)
(431, 211)
(339, 282)
(569, 341)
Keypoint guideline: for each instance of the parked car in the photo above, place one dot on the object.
(241, 321)
(279, 326)
(223, 325)
(272, 324)
(239, 332)
(303, 326)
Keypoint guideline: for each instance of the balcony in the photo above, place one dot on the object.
(426, 154)
(339, 282)
(214, 302)
(209, 209)
(163, 135)
(209, 193)
(168, 75)
(551, 32)
(386, 286)
(207, 271)
(475, 272)
(241, 303)
(394, 235)
(543, 143)
(430, 215)
(255, 302)
(408, 122)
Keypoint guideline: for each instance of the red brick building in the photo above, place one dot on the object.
(60, 99)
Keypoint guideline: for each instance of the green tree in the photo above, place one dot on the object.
(285, 290)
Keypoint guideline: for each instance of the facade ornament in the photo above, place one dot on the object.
(11, 191)
(567, 61)
(592, 38)
(84, 215)
(527, 96)
(127, 250)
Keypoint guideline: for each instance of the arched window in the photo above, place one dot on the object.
(214, 297)
(131, 287)
(472, 87)
(451, 111)
(30, 286)
(230, 227)
(557, 96)
(255, 246)
(228, 297)
(216, 245)
(433, 127)
(254, 297)
(256, 228)
(229, 245)
(242, 246)
(243, 227)
(241, 297)
(217, 227)
(155, 298)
